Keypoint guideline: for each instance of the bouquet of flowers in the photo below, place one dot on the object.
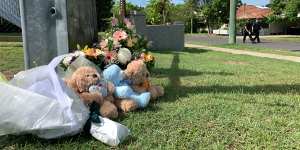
(119, 46)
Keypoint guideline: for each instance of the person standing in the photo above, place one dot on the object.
(256, 29)
(247, 31)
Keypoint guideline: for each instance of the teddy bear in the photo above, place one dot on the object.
(132, 85)
(87, 83)
(138, 73)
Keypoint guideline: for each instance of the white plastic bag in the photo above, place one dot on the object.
(38, 102)
(109, 132)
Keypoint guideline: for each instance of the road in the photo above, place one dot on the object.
(219, 40)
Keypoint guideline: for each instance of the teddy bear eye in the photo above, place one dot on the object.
(87, 75)
(95, 76)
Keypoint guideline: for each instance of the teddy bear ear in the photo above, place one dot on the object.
(128, 72)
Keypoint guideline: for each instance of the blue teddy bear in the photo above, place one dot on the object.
(123, 89)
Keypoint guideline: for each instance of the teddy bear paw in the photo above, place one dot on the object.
(109, 110)
(127, 105)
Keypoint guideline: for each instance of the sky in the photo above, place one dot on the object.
(253, 2)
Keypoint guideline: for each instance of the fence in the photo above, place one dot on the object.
(10, 20)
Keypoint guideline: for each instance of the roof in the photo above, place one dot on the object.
(252, 12)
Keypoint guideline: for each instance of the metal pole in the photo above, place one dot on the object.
(191, 25)
(24, 35)
(232, 22)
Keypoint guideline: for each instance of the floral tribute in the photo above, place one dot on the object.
(119, 46)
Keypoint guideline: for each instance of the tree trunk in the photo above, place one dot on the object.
(208, 26)
(191, 25)
(122, 9)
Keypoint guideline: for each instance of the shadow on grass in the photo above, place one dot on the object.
(38, 143)
(180, 91)
(163, 72)
(175, 90)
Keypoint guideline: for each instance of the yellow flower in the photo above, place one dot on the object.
(149, 57)
(134, 40)
(93, 52)
(85, 48)
(129, 42)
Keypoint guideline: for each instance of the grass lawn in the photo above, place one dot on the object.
(213, 100)
(259, 49)
(289, 38)
(10, 37)
(11, 58)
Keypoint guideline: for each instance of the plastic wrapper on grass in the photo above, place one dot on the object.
(38, 102)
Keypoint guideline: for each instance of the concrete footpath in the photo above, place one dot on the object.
(266, 41)
(245, 52)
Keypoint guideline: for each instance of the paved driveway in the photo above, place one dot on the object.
(218, 40)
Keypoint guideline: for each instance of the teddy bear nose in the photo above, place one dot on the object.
(95, 76)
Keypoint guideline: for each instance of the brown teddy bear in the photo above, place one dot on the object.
(133, 89)
(81, 82)
(138, 73)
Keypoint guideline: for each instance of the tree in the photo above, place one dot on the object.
(158, 11)
(191, 10)
(291, 10)
(212, 12)
(175, 16)
(215, 12)
(129, 8)
(122, 8)
(104, 13)
(285, 11)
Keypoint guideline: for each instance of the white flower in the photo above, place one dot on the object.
(124, 55)
(99, 52)
(67, 60)
(116, 44)
(78, 53)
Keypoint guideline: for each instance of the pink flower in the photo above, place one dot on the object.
(120, 35)
(128, 23)
(114, 22)
(110, 57)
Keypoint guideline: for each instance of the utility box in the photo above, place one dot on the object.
(163, 37)
(55, 27)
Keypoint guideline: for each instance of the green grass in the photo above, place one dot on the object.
(11, 58)
(10, 37)
(213, 100)
(259, 49)
(283, 38)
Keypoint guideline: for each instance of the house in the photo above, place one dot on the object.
(252, 12)
(246, 12)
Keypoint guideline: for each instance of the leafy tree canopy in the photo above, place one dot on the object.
(158, 11)
(129, 8)
(284, 11)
